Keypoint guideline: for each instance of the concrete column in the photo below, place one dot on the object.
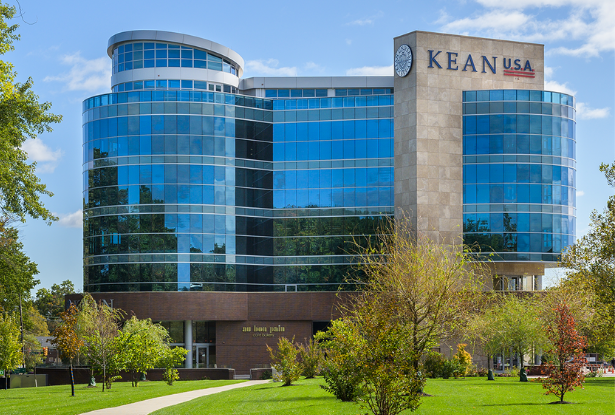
(188, 343)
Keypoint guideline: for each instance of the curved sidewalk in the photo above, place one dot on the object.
(150, 405)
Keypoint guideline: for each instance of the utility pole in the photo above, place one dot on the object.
(23, 345)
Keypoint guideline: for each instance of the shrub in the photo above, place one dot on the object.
(110, 379)
(341, 361)
(170, 375)
(482, 372)
(434, 365)
(311, 356)
(284, 360)
(451, 367)
(464, 359)
(266, 375)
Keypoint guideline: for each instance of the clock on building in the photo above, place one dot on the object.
(403, 60)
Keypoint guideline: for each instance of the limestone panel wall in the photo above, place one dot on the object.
(428, 119)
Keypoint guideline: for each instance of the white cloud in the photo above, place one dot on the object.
(366, 21)
(349, 41)
(46, 158)
(580, 193)
(584, 112)
(91, 75)
(557, 87)
(588, 25)
(313, 67)
(72, 220)
(269, 67)
(548, 72)
(371, 71)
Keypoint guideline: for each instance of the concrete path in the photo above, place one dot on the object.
(151, 405)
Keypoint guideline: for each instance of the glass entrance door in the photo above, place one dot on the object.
(201, 356)
(204, 355)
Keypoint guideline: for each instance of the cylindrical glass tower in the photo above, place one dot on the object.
(519, 174)
(173, 161)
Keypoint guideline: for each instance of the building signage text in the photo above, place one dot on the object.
(263, 331)
(511, 67)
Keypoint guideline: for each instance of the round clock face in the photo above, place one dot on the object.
(403, 60)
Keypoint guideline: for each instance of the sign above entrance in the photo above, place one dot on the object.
(453, 63)
(263, 331)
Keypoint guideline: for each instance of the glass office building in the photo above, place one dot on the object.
(191, 185)
(227, 207)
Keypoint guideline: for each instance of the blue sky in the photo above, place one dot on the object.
(63, 48)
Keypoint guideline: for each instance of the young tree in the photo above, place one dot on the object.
(99, 325)
(170, 358)
(284, 360)
(67, 340)
(564, 370)
(10, 346)
(143, 342)
(427, 286)
(310, 355)
(509, 323)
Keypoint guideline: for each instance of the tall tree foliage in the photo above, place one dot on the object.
(50, 302)
(21, 117)
(427, 286)
(565, 367)
(592, 264)
(16, 270)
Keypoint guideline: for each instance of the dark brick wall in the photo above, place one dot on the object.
(233, 311)
(61, 376)
(246, 350)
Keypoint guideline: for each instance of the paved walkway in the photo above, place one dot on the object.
(151, 405)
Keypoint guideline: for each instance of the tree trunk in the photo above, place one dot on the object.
(72, 380)
(104, 377)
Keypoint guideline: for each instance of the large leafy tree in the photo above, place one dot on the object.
(592, 264)
(16, 270)
(50, 302)
(21, 117)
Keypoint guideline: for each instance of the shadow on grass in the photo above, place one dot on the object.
(519, 404)
(297, 398)
(604, 382)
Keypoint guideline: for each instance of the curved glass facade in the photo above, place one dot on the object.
(172, 84)
(137, 55)
(519, 174)
(188, 190)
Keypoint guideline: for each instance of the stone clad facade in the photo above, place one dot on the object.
(428, 121)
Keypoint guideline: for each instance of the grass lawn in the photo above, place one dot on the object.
(57, 399)
(462, 396)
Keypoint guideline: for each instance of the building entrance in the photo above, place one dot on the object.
(204, 355)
